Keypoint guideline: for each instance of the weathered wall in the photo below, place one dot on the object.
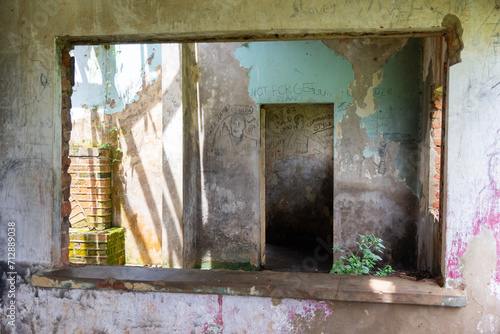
(229, 230)
(172, 156)
(30, 147)
(117, 101)
(299, 173)
(377, 123)
(376, 167)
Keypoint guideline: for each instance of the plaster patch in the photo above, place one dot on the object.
(369, 102)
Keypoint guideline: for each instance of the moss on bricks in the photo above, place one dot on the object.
(97, 247)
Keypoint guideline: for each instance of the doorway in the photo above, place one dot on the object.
(297, 163)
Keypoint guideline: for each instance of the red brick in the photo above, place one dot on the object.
(436, 114)
(64, 146)
(66, 102)
(66, 85)
(65, 161)
(66, 134)
(66, 59)
(65, 256)
(64, 240)
(66, 193)
(436, 133)
(436, 124)
(92, 182)
(65, 180)
(65, 209)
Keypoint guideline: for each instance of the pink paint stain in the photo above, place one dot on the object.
(217, 320)
(458, 248)
(487, 217)
(218, 317)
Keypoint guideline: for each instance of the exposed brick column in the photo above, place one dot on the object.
(67, 82)
(436, 133)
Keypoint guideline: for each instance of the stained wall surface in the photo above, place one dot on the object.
(117, 102)
(298, 173)
(229, 230)
(30, 147)
(376, 89)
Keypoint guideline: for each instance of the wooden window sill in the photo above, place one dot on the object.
(327, 287)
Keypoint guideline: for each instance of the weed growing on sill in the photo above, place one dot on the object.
(363, 261)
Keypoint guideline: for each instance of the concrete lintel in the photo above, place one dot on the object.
(255, 35)
(346, 288)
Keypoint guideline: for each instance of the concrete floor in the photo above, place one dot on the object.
(288, 259)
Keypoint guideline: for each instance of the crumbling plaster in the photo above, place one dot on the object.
(117, 101)
(30, 132)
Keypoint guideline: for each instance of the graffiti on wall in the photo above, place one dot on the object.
(234, 131)
(293, 130)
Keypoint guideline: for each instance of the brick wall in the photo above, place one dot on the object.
(90, 188)
(436, 134)
(98, 247)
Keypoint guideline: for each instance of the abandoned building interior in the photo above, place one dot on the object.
(173, 174)
(285, 98)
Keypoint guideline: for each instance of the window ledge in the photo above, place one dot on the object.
(346, 288)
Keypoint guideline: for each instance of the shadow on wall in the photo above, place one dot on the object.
(122, 84)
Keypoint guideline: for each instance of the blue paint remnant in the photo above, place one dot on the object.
(72, 284)
(459, 301)
(112, 78)
(297, 72)
(399, 114)
(368, 152)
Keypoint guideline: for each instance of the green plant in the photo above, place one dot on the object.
(363, 261)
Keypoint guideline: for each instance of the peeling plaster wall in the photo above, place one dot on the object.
(117, 100)
(377, 121)
(297, 72)
(30, 133)
(229, 234)
(376, 167)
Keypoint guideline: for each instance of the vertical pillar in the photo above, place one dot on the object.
(172, 156)
(191, 143)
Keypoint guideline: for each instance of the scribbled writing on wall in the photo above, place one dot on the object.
(298, 130)
(234, 131)
(288, 92)
(300, 8)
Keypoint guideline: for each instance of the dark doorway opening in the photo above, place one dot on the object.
(298, 186)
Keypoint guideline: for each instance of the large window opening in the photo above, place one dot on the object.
(215, 152)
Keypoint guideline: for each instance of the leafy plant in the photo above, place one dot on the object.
(363, 261)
